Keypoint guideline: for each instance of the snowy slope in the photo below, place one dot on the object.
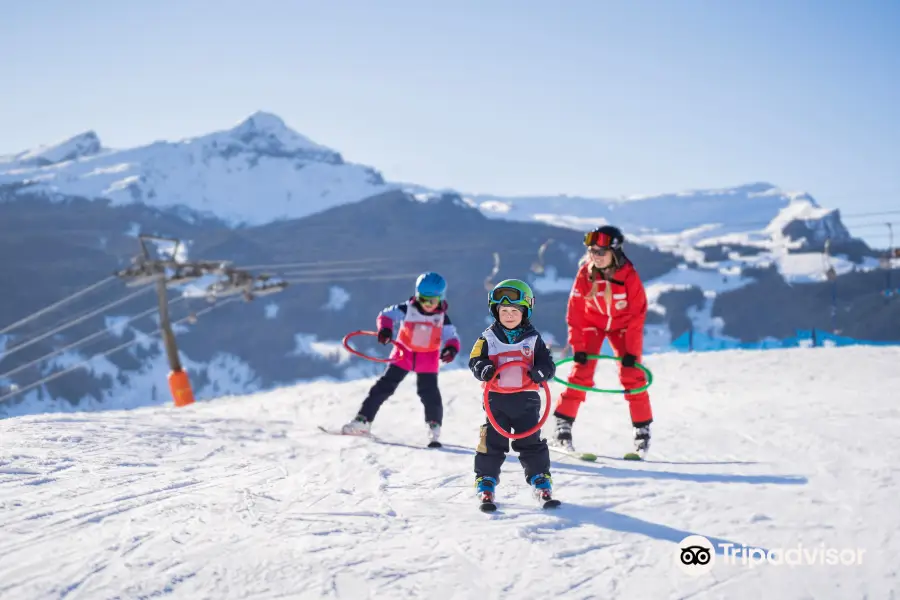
(243, 498)
(254, 173)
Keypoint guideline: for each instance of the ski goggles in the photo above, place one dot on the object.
(595, 238)
(513, 295)
(428, 299)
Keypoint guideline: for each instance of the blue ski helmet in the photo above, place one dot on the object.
(431, 285)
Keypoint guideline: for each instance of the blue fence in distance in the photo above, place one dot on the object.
(691, 341)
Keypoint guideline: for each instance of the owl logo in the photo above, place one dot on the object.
(621, 304)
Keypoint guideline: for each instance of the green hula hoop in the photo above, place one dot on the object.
(590, 389)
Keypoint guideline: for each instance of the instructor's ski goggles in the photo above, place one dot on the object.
(511, 294)
(594, 238)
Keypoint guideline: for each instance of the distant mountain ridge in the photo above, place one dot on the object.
(261, 171)
(745, 263)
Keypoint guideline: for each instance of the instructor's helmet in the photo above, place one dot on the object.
(431, 285)
(607, 236)
(511, 291)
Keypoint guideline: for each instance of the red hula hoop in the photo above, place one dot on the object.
(487, 405)
(346, 342)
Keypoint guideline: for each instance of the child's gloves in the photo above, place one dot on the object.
(628, 360)
(580, 357)
(448, 353)
(537, 375)
(385, 334)
(484, 370)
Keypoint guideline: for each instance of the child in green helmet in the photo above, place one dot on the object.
(512, 337)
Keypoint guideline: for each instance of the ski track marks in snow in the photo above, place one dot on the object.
(245, 498)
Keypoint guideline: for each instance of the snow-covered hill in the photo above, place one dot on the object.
(257, 172)
(243, 497)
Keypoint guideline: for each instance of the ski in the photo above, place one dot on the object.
(586, 456)
(377, 439)
(486, 503)
(544, 499)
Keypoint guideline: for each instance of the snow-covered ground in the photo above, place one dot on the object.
(243, 498)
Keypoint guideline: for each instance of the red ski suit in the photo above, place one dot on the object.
(615, 310)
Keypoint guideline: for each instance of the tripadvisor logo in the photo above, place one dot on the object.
(696, 555)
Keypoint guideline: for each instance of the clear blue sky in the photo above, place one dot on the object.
(587, 97)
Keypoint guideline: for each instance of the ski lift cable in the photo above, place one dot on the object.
(355, 261)
(66, 314)
(86, 362)
(871, 225)
(470, 248)
(70, 323)
(57, 304)
(763, 223)
(84, 340)
(433, 252)
(396, 261)
(302, 273)
(355, 278)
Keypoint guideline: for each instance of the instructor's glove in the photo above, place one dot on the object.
(628, 360)
(538, 375)
(448, 353)
(484, 370)
(580, 357)
(384, 335)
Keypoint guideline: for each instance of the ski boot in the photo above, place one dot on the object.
(641, 443)
(358, 426)
(563, 436)
(434, 434)
(542, 490)
(485, 487)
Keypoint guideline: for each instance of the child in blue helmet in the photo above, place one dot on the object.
(426, 337)
(512, 337)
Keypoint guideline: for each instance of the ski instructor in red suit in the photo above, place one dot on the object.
(607, 301)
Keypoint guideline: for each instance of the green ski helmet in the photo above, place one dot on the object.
(511, 291)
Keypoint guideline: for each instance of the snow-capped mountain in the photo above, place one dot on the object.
(254, 173)
(81, 146)
(755, 206)
(753, 215)
(261, 171)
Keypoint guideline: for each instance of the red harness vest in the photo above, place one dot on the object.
(421, 332)
(499, 352)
